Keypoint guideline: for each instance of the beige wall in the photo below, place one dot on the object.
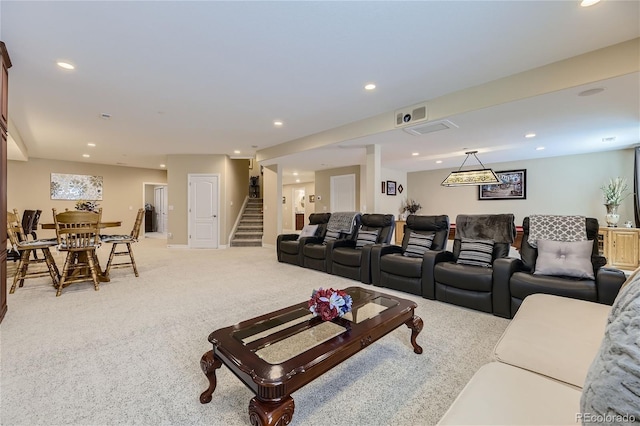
(237, 191)
(28, 185)
(558, 185)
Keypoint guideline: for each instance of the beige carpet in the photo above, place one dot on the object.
(129, 353)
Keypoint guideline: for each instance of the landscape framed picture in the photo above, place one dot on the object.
(513, 186)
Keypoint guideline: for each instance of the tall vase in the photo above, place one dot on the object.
(612, 215)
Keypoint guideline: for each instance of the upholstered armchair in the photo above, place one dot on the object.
(403, 267)
(465, 275)
(341, 226)
(289, 246)
(559, 256)
(351, 258)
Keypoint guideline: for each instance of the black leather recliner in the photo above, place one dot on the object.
(353, 262)
(390, 268)
(468, 285)
(515, 279)
(289, 246)
(315, 254)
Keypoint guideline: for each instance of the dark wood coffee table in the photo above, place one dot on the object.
(278, 353)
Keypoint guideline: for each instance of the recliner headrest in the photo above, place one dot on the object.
(377, 220)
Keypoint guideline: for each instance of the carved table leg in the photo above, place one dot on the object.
(415, 324)
(263, 413)
(209, 364)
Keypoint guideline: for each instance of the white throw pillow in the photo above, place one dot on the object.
(565, 258)
(309, 231)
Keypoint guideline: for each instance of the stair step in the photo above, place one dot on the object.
(246, 243)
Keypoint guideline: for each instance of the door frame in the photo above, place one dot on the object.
(144, 199)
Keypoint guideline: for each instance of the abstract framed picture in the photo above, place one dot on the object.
(75, 187)
(513, 186)
(391, 187)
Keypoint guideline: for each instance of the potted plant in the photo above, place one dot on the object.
(410, 206)
(614, 193)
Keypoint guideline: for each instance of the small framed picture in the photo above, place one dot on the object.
(384, 187)
(391, 187)
(312, 198)
(513, 186)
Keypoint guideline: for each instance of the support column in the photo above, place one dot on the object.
(371, 184)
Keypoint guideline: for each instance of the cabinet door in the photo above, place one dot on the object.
(624, 249)
(399, 231)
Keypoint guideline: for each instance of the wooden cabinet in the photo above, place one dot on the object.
(400, 231)
(5, 64)
(149, 219)
(621, 247)
(299, 221)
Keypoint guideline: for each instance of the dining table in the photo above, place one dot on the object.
(102, 275)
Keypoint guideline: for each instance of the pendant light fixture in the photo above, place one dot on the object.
(482, 176)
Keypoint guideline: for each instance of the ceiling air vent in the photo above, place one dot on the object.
(411, 115)
(430, 127)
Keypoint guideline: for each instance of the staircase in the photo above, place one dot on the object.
(249, 231)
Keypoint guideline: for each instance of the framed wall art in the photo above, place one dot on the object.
(75, 187)
(513, 186)
(391, 187)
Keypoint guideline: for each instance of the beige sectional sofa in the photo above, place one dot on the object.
(541, 364)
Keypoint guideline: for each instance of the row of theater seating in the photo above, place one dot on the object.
(476, 273)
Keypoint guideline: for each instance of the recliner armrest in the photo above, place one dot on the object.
(284, 237)
(429, 261)
(503, 268)
(377, 251)
(608, 284)
(344, 243)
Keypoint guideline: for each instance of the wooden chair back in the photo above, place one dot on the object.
(135, 232)
(15, 232)
(77, 230)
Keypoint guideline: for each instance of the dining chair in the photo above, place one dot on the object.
(77, 234)
(128, 240)
(25, 248)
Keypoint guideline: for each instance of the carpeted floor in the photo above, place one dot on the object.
(129, 354)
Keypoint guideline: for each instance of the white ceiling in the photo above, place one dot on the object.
(211, 77)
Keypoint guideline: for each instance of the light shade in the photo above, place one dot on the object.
(471, 177)
(461, 177)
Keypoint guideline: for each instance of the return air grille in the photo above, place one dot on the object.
(434, 126)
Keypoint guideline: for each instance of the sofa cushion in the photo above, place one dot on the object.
(475, 252)
(346, 256)
(564, 258)
(418, 244)
(396, 264)
(522, 284)
(612, 386)
(500, 394)
(290, 247)
(554, 336)
(315, 251)
(465, 277)
(309, 231)
(366, 238)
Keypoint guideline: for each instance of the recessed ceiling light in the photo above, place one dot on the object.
(439, 162)
(530, 135)
(66, 65)
(236, 152)
(91, 144)
(587, 3)
(86, 155)
(370, 86)
(540, 148)
(415, 154)
(278, 123)
(297, 180)
(163, 165)
(295, 173)
(590, 92)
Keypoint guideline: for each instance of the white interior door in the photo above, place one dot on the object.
(203, 211)
(160, 203)
(343, 193)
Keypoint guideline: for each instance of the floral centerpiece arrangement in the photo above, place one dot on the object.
(411, 206)
(615, 191)
(89, 206)
(329, 303)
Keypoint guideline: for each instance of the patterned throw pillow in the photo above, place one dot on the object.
(366, 237)
(331, 235)
(475, 252)
(309, 231)
(418, 244)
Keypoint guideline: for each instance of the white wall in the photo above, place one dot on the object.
(558, 185)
